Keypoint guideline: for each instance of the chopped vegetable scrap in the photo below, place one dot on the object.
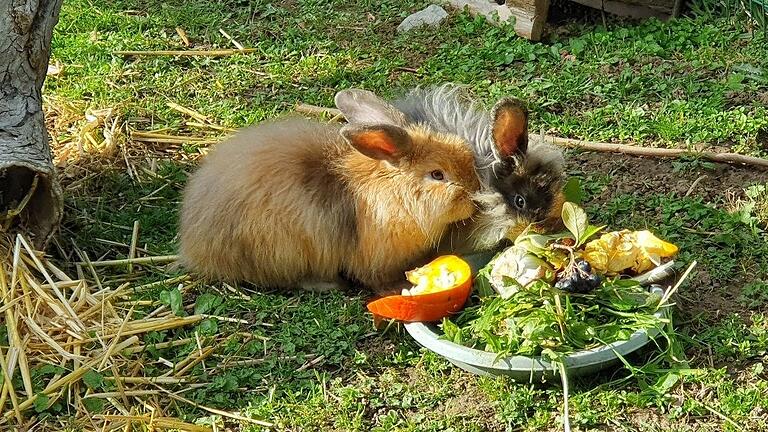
(617, 251)
(552, 295)
(441, 289)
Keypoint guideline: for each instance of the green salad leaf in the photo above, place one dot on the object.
(531, 323)
(575, 219)
(516, 309)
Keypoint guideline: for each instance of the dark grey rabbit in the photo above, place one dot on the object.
(521, 181)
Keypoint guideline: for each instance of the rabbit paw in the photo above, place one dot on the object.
(321, 286)
(393, 288)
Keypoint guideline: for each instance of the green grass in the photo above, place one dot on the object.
(691, 81)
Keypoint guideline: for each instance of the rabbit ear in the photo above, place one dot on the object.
(363, 106)
(382, 141)
(510, 127)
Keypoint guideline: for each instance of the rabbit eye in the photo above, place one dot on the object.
(437, 175)
(519, 202)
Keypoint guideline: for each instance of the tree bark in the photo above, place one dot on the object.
(28, 181)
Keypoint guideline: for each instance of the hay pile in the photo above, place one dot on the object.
(72, 351)
(81, 136)
(87, 335)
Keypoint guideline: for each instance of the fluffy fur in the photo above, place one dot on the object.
(535, 170)
(297, 202)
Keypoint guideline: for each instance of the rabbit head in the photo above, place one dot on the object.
(521, 180)
(525, 185)
(432, 172)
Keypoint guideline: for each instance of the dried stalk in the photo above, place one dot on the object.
(162, 259)
(188, 111)
(210, 126)
(316, 110)
(188, 53)
(158, 346)
(217, 411)
(231, 39)
(134, 241)
(731, 158)
(85, 330)
(9, 385)
(183, 35)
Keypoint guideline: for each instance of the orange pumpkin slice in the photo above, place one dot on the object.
(441, 289)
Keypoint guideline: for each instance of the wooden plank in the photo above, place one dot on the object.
(530, 15)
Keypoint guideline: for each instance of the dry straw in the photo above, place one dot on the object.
(84, 140)
(86, 320)
(53, 319)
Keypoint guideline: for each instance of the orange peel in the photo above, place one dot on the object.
(441, 289)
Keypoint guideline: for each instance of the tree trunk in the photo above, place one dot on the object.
(30, 196)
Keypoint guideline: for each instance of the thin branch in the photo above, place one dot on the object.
(695, 183)
(216, 411)
(732, 158)
(316, 110)
(134, 242)
(188, 111)
(163, 259)
(183, 35)
(188, 53)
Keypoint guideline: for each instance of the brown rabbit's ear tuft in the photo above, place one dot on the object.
(363, 106)
(382, 142)
(510, 127)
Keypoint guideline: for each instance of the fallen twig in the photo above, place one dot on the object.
(231, 39)
(317, 110)
(722, 416)
(153, 137)
(134, 242)
(311, 363)
(695, 183)
(188, 53)
(162, 259)
(183, 35)
(157, 346)
(214, 410)
(148, 380)
(732, 158)
(250, 362)
(188, 111)
(209, 126)
(668, 293)
(161, 423)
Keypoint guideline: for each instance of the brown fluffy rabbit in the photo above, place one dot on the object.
(297, 202)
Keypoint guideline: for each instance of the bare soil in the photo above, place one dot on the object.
(642, 176)
(706, 300)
